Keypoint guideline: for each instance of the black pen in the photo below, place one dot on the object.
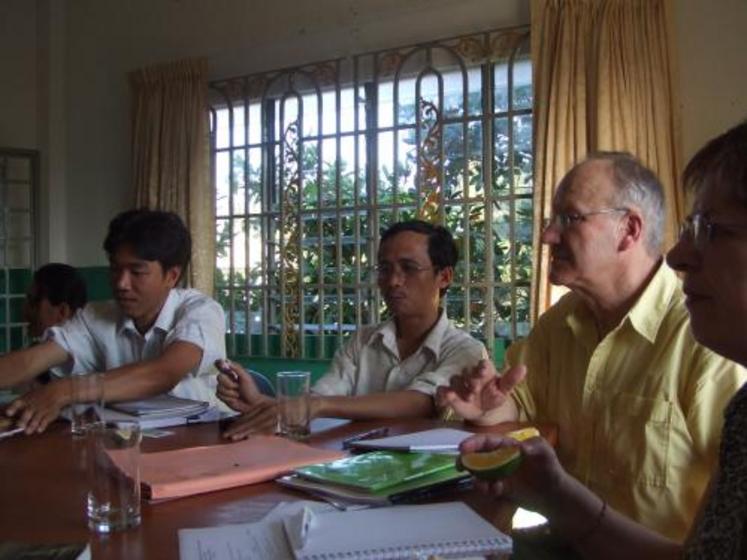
(347, 443)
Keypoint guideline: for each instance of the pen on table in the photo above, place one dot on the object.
(378, 432)
(9, 433)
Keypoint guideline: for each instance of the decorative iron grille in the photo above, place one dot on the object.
(312, 163)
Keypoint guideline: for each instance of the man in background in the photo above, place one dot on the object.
(390, 370)
(151, 339)
(56, 293)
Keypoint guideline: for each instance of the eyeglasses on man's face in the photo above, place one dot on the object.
(407, 268)
(699, 229)
(563, 220)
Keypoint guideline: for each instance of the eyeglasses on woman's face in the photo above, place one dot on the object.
(699, 229)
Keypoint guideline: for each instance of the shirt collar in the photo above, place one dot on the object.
(650, 309)
(387, 334)
(645, 316)
(164, 322)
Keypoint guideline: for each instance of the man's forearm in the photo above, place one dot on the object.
(397, 404)
(23, 365)
(151, 377)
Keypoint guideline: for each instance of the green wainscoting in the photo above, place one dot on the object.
(14, 283)
(97, 282)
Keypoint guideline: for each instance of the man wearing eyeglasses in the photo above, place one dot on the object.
(389, 370)
(614, 363)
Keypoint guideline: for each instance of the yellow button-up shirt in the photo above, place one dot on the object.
(639, 412)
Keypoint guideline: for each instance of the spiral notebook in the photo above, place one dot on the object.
(449, 530)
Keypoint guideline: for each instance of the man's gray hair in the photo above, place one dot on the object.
(638, 186)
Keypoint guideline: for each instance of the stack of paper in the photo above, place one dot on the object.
(380, 477)
(162, 406)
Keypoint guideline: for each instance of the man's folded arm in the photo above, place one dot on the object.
(23, 365)
(152, 377)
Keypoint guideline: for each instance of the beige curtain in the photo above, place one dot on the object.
(604, 79)
(171, 154)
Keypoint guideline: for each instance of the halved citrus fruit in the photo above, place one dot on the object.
(490, 465)
(499, 463)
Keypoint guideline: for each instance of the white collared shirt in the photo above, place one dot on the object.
(370, 362)
(100, 337)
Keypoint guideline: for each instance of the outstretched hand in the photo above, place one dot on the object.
(35, 410)
(480, 395)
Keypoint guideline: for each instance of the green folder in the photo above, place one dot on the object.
(378, 470)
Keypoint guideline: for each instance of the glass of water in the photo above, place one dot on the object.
(113, 452)
(88, 402)
(294, 415)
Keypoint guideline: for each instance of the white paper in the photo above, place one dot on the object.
(324, 424)
(245, 541)
(446, 529)
(437, 440)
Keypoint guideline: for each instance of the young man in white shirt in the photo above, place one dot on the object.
(153, 338)
(390, 370)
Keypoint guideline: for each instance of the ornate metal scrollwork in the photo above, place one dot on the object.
(390, 62)
(430, 161)
(503, 44)
(290, 250)
(471, 48)
(325, 74)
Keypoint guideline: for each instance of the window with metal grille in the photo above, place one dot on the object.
(312, 163)
(18, 185)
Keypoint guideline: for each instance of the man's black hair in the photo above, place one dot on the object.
(442, 248)
(60, 283)
(154, 235)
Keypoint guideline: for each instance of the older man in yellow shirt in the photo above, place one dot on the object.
(614, 363)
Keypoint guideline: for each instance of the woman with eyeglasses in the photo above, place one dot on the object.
(711, 254)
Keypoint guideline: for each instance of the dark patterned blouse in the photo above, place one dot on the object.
(720, 533)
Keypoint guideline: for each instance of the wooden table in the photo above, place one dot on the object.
(43, 491)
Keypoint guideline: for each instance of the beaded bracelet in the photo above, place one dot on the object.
(595, 526)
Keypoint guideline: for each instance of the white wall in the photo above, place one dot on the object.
(712, 44)
(64, 65)
(108, 38)
(18, 79)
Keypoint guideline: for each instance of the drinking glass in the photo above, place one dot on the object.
(113, 451)
(88, 400)
(294, 415)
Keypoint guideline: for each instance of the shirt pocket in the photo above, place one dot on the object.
(635, 440)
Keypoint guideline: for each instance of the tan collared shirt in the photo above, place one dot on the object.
(639, 412)
(370, 362)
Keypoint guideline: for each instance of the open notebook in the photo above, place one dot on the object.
(448, 530)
